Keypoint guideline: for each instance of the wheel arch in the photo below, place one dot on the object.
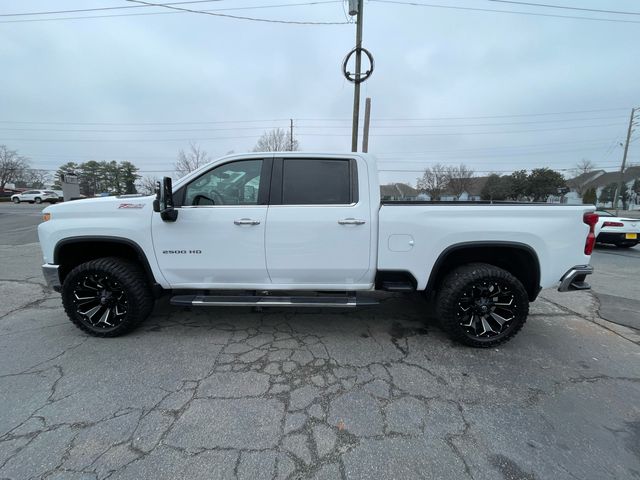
(71, 252)
(517, 258)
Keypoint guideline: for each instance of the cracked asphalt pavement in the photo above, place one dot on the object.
(324, 394)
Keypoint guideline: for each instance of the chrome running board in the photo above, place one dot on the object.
(270, 301)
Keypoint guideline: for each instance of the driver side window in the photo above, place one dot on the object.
(234, 183)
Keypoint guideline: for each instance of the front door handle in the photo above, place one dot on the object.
(246, 221)
(351, 221)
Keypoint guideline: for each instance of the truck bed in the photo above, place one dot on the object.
(413, 235)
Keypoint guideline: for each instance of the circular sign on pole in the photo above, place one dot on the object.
(352, 77)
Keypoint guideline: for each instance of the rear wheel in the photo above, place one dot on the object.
(16, 200)
(38, 200)
(107, 297)
(482, 305)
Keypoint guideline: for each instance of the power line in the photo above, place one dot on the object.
(265, 127)
(565, 7)
(144, 123)
(505, 132)
(257, 7)
(513, 12)
(575, 112)
(124, 7)
(235, 17)
(327, 119)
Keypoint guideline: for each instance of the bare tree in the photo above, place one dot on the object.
(276, 140)
(190, 160)
(434, 181)
(148, 184)
(36, 178)
(12, 166)
(584, 166)
(459, 179)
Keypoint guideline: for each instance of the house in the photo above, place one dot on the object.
(471, 194)
(599, 180)
(399, 191)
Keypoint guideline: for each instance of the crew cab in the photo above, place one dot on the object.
(308, 230)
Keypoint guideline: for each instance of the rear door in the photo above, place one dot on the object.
(318, 223)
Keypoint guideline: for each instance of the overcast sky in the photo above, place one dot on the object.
(140, 87)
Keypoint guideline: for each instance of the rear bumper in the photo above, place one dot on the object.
(616, 237)
(51, 276)
(574, 279)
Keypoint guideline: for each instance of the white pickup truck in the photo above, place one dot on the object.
(308, 230)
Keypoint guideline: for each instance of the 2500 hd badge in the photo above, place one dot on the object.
(182, 252)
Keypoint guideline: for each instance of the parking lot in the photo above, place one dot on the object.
(370, 393)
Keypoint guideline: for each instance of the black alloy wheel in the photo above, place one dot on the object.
(100, 301)
(486, 309)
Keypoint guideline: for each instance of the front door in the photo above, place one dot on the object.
(218, 239)
(318, 231)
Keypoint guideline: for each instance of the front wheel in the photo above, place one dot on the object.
(38, 200)
(16, 200)
(481, 305)
(107, 297)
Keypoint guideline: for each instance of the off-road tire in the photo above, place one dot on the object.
(130, 280)
(460, 281)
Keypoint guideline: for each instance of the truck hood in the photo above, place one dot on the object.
(101, 206)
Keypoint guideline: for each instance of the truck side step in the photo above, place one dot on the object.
(398, 286)
(269, 301)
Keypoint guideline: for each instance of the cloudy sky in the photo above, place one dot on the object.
(496, 91)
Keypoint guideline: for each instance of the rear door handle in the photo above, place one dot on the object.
(246, 221)
(351, 221)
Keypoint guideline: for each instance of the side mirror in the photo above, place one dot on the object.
(164, 201)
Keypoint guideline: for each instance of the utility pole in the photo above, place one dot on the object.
(624, 161)
(367, 121)
(291, 134)
(356, 91)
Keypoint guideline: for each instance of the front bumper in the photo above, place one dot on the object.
(574, 279)
(52, 276)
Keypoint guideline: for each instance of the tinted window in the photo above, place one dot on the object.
(235, 183)
(316, 182)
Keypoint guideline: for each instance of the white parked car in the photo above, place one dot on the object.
(622, 232)
(292, 229)
(35, 196)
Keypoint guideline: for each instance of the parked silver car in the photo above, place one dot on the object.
(35, 196)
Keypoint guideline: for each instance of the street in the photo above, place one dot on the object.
(369, 393)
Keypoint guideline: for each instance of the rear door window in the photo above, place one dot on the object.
(317, 182)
